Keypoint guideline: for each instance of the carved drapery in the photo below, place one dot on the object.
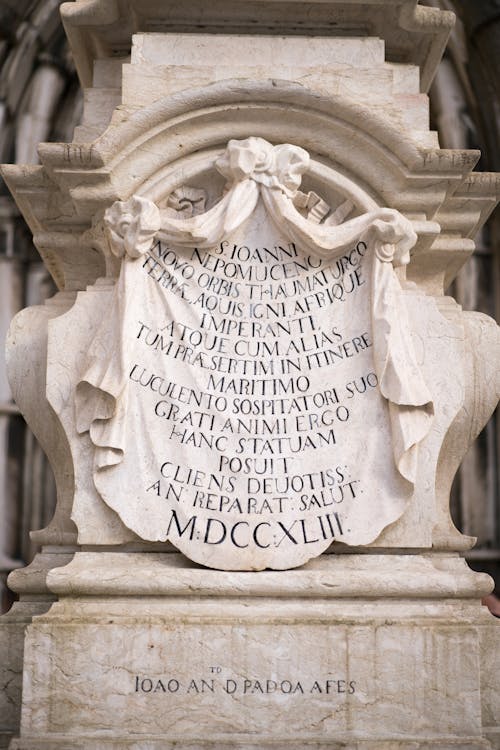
(255, 169)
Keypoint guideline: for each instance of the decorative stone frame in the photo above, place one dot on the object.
(375, 164)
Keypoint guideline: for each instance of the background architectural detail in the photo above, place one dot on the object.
(40, 99)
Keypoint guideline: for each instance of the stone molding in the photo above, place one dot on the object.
(412, 33)
(132, 156)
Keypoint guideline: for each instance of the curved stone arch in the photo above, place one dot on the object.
(154, 143)
(389, 164)
(243, 94)
(128, 154)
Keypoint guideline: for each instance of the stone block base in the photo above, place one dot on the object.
(325, 657)
(12, 630)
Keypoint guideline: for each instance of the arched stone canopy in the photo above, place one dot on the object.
(80, 180)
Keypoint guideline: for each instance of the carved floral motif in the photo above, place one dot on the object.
(277, 167)
(131, 226)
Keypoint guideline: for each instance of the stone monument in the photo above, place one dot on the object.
(253, 391)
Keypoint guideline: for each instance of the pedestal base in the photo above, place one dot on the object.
(359, 652)
(12, 629)
(35, 600)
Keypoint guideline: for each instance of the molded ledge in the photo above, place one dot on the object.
(220, 743)
(412, 33)
(428, 576)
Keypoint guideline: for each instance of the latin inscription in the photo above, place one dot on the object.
(257, 407)
(242, 686)
(252, 384)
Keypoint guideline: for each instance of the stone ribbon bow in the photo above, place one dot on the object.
(254, 168)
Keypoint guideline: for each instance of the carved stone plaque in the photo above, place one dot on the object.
(252, 394)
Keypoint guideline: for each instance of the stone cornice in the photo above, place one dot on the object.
(412, 33)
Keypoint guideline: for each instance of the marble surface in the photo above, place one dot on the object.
(164, 64)
(253, 392)
(220, 659)
(384, 650)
